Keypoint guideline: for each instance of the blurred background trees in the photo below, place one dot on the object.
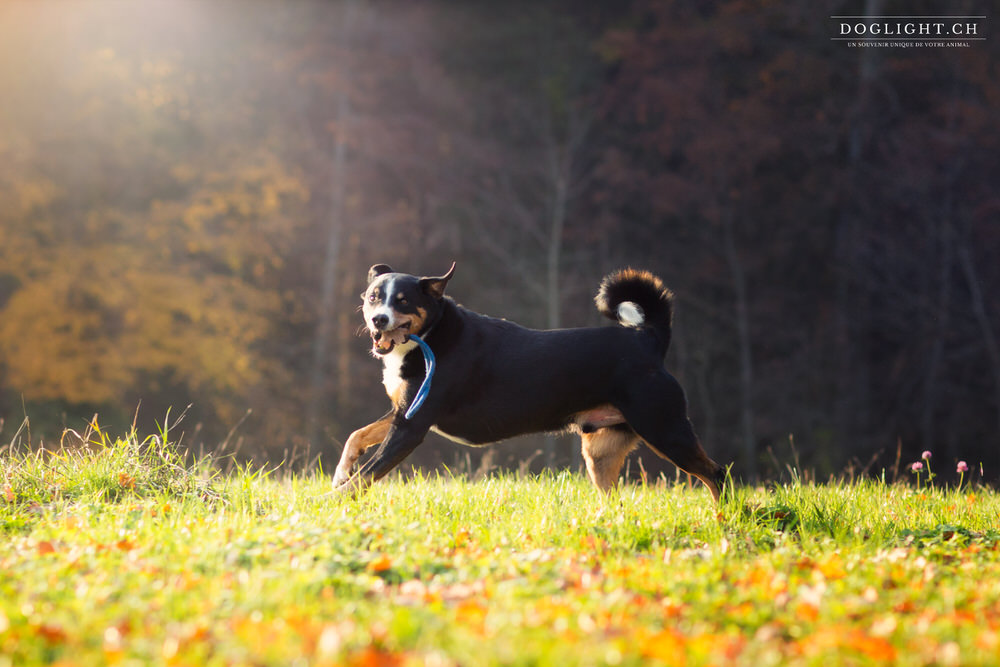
(191, 194)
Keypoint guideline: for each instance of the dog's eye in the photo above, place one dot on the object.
(402, 300)
(371, 298)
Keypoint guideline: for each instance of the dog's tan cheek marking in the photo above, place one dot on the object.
(418, 320)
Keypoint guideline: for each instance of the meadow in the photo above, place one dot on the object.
(122, 552)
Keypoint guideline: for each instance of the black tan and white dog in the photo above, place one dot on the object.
(495, 379)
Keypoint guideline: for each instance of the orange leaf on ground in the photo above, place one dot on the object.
(837, 637)
(667, 646)
(876, 648)
(833, 568)
(472, 614)
(373, 657)
(807, 610)
(380, 564)
(672, 608)
(52, 633)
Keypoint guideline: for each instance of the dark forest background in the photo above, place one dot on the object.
(191, 194)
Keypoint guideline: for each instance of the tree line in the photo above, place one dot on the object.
(191, 195)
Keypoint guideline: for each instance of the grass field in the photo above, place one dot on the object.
(120, 553)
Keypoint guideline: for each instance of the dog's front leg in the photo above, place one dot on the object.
(402, 438)
(357, 444)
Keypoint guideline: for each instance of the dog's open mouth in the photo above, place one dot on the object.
(386, 340)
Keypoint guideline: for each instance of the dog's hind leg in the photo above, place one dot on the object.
(357, 444)
(604, 451)
(656, 408)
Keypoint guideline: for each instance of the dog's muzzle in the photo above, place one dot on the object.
(384, 341)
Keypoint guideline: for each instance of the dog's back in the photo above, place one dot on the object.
(505, 380)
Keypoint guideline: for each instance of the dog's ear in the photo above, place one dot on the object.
(435, 286)
(378, 270)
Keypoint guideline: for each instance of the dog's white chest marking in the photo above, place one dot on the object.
(392, 367)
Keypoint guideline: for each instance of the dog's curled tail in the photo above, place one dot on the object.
(638, 299)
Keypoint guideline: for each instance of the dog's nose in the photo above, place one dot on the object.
(379, 321)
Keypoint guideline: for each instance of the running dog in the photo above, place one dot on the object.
(496, 379)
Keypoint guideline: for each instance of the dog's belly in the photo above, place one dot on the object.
(485, 430)
(458, 439)
(477, 433)
(600, 417)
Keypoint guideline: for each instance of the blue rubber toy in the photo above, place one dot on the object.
(425, 387)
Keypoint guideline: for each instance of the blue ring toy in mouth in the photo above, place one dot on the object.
(425, 387)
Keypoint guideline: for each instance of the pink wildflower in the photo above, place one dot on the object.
(926, 456)
(962, 467)
(917, 467)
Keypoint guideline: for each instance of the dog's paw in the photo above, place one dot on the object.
(350, 488)
(340, 479)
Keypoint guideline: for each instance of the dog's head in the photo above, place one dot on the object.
(397, 304)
